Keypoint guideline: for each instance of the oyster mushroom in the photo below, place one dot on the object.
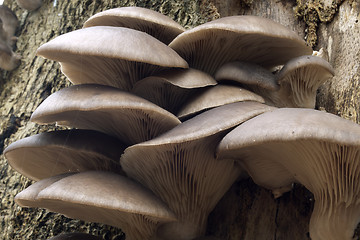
(299, 80)
(156, 24)
(93, 55)
(214, 97)
(180, 166)
(294, 86)
(9, 24)
(317, 149)
(170, 89)
(102, 197)
(105, 109)
(53, 153)
(238, 38)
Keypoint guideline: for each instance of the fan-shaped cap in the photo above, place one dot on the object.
(105, 109)
(319, 150)
(93, 55)
(299, 80)
(179, 166)
(247, 74)
(156, 24)
(214, 97)
(53, 153)
(170, 89)
(102, 197)
(9, 24)
(238, 38)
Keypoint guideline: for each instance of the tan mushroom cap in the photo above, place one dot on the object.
(102, 197)
(299, 80)
(154, 23)
(170, 89)
(238, 38)
(75, 236)
(319, 150)
(105, 109)
(247, 74)
(214, 97)
(9, 24)
(180, 168)
(53, 153)
(93, 55)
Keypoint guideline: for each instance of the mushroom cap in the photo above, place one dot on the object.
(319, 150)
(10, 22)
(29, 5)
(214, 97)
(238, 38)
(170, 89)
(101, 197)
(75, 236)
(156, 24)
(299, 80)
(53, 153)
(28, 197)
(105, 109)
(179, 166)
(247, 74)
(93, 55)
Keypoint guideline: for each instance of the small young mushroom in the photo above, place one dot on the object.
(9, 25)
(53, 153)
(294, 86)
(317, 149)
(156, 24)
(299, 80)
(180, 166)
(29, 5)
(102, 197)
(170, 89)
(238, 38)
(214, 97)
(93, 55)
(105, 109)
(75, 236)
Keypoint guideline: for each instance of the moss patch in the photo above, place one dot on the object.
(313, 12)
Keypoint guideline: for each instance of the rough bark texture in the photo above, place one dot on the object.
(246, 211)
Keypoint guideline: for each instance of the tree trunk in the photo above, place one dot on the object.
(246, 211)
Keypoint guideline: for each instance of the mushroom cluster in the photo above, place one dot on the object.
(8, 23)
(163, 120)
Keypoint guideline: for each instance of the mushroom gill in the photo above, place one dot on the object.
(238, 38)
(180, 166)
(105, 109)
(100, 197)
(319, 150)
(93, 55)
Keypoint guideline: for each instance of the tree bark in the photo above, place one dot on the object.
(246, 211)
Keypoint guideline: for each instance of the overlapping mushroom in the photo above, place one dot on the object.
(152, 102)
